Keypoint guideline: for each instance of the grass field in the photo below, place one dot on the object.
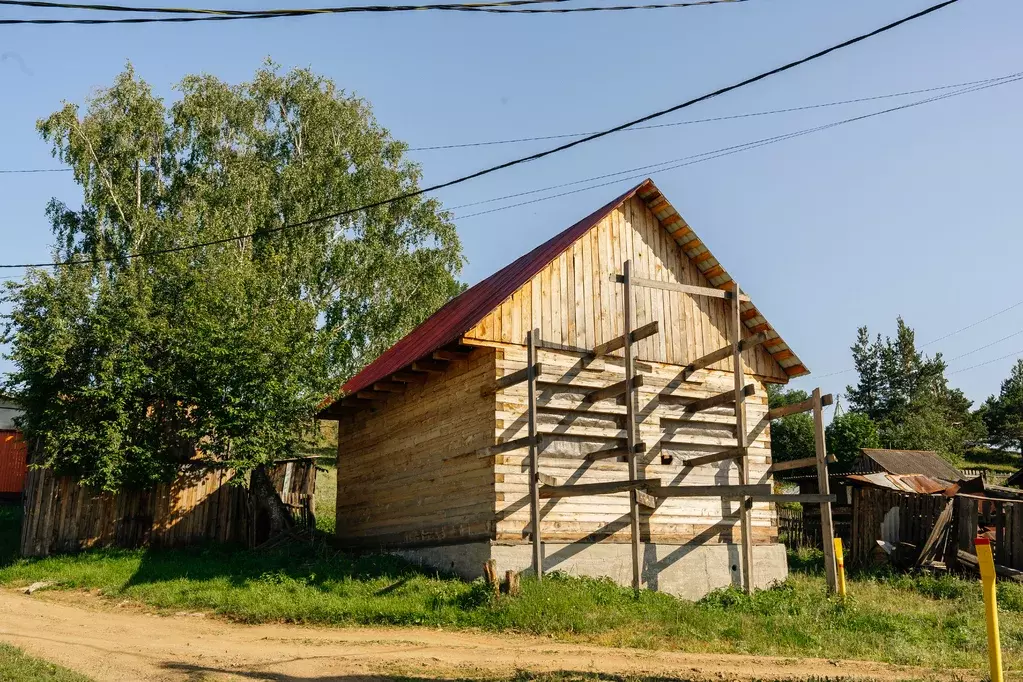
(15, 666)
(921, 620)
(997, 461)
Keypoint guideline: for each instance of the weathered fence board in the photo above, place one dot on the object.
(199, 506)
(907, 519)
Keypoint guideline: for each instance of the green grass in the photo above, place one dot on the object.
(998, 461)
(16, 666)
(912, 620)
(326, 494)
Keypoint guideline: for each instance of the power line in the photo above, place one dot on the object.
(988, 362)
(663, 166)
(769, 112)
(35, 170)
(904, 93)
(961, 329)
(244, 12)
(525, 159)
(987, 345)
(509, 7)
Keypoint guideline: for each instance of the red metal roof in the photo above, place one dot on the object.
(465, 311)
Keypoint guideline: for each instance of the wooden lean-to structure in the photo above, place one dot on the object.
(606, 390)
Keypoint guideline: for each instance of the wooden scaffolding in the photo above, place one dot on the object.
(648, 493)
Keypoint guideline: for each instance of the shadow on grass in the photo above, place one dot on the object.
(316, 565)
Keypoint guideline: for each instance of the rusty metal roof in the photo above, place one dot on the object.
(463, 312)
(907, 483)
(924, 462)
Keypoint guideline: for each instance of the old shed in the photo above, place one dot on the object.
(580, 410)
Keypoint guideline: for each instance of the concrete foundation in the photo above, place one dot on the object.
(688, 571)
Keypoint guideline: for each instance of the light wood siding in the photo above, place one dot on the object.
(576, 306)
(401, 481)
(605, 517)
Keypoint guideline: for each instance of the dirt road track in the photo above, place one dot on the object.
(108, 643)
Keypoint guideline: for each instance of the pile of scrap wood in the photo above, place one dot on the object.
(975, 509)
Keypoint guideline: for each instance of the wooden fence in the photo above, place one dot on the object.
(200, 505)
(906, 520)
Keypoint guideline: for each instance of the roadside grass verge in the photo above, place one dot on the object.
(935, 621)
(17, 666)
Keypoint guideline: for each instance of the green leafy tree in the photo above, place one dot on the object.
(847, 433)
(907, 396)
(791, 436)
(127, 366)
(1003, 414)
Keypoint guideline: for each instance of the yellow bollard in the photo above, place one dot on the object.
(987, 577)
(840, 561)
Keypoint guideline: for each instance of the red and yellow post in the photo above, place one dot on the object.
(987, 577)
(840, 565)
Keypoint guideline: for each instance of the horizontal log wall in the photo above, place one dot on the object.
(585, 427)
(576, 306)
(63, 516)
(408, 473)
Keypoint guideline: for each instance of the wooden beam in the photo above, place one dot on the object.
(632, 383)
(808, 498)
(722, 353)
(373, 395)
(617, 451)
(431, 366)
(619, 342)
(684, 288)
(723, 491)
(613, 390)
(580, 489)
(824, 488)
(390, 386)
(797, 464)
(644, 498)
(532, 372)
(796, 408)
(745, 511)
(733, 453)
(516, 377)
(507, 446)
(547, 479)
(726, 398)
(451, 355)
(409, 377)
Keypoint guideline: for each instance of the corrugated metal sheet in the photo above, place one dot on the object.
(923, 462)
(463, 312)
(13, 462)
(907, 483)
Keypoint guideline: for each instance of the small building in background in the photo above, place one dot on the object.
(13, 453)
(905, 462)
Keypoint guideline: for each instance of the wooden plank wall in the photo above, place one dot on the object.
(605, 517)
(408, 473)
(576, 306)
(63, 516)
(917, 515)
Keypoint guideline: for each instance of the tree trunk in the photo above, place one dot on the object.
(269, 502)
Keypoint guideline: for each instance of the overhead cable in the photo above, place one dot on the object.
(508, 164)
(508, 7)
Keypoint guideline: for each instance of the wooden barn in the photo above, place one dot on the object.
(579, 410)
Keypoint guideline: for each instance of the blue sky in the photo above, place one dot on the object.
(915, 213)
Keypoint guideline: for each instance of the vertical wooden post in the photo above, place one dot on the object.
(534, 464)
(630, 417)
(746, 503)
(824, 487)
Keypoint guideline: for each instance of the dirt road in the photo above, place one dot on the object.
(110, 643)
